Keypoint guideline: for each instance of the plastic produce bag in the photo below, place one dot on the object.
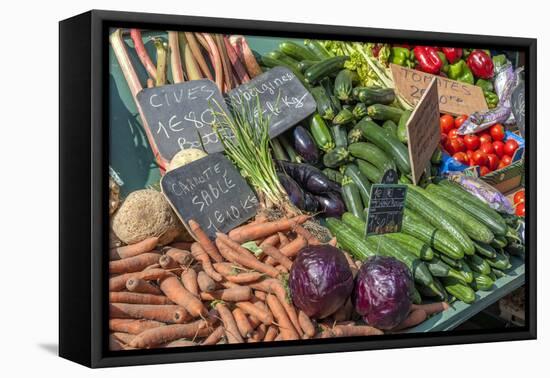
(485, 192)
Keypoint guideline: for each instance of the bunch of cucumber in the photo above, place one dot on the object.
(453, 243)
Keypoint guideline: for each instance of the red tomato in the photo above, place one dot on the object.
(460, 120)
(497, 132)
(510, 147)
(498, 146)
(446, 123)
(519, 196)
(487, 148)
(471, 141)
(453, 134)
(520, 209)
(470, 153)
(501, 165)
(506, 160)
(484, 170)
(480, 158)
(461, 157)
(455, 145)
(485, 137)
(493, 161)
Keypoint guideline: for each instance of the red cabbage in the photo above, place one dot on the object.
(382, 292)
(320, 280)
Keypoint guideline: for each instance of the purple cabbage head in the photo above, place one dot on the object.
(382, 292)
(320, 280)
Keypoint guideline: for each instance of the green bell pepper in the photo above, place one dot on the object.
(499, 60)
(486, 85)
(445, 65)
(402, 56)
(461, 72)
(491, 99)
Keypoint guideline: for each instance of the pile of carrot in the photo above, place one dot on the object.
(219, 291)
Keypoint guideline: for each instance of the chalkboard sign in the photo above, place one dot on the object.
(212, 192)
(282, 97)
(518, 107)
(385, 212)
(180, 116)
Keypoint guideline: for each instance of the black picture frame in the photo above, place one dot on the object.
(83, 195)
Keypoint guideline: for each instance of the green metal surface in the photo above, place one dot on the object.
(461, 312)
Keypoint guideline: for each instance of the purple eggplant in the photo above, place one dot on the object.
(295, 193)
(309, 178)
(331, 204)
(311, 204)
(305, 146)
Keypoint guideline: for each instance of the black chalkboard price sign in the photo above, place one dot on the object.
(282, 97)
(212, 192)
(385, 212)
(180, 116)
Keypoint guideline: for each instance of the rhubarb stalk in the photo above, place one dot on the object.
(161, 62)
(175, 57)
(191, 66)
(238, 66)
(142, 54)
(245, 53)
(216, 60)
(226, 64)
(197, 54)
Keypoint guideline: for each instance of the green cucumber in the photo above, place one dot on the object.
(451, 262)
(475, 229)
(353, 222)
(296, 51)
(372, 154)
(418, 202)
(402, 126)
(467, 272)
(325, 106)
(333, 175)
(485, 250)
(439, 269)
(336, 157)
(352, 197)
(383, 112)
(317, 49)
(324, 68)
(343, 84)
(390, 127)
(370, 171)
(320, 133)
(478, 264)
(389, 144)
(460, 290)
(413, 245)
(374, 95)
(482, 282)
(500, 261)
(361, 181)
(343, 117)
(440, 295)
(499, 242)
(350, 240)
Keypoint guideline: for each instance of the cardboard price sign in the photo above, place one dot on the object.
(386, 205)
(454, 97)
(423, 131)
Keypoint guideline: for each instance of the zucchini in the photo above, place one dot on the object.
(437, 156)
(305, 64)
(500, 261)
(440, 295)
(402, 126)
(467, 272)
(390, 127)
(460, 290)
(270, 62)
(498, 273)
(438, 268)
(336, 157)
(499, 241)
(350, 240)
(476, 207)
(355, 135)
(485, 250)
(475, 229)
(478, 264)
(340, 136)
(482, 282)
(413, 245)
(516, 249)
(370, 171)
(286, 59)
(289, 149)
(415, 296)
(372, 154)
(320, 133)
(352, 197)
(389, 144)
(333, 175)
(278, 150)
(359, 110)
(417, 201)
(383, 112)
(363, 184)
(343, 117)
(438, 239)
(325, 108)
(343, 84)
(373, 95)
(324, 68)
(297, 51)
(317, 49)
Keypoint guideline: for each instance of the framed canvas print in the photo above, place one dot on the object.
(234, 188)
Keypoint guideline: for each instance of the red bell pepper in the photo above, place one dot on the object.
(453, 54)
(481, 64)
(428, 59)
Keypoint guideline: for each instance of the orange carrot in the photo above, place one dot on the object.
(118, 283)
(256, 231)
(271, 240)
(283, 239)
(133, 326)
(189, 281)
(161, 335)
(184, 246)
(123, 337)
(254, 321)
(415, 317)
(133, 264)
(205, 242)
(234, 294)
(239, 278)
(311, 239)
(161, 313)
(178, 344)
(295, 246)
(231, 330)
(206, 284)
(134, 249)
(215, 336)
(180, 256)
(281, 269)
(288, 332)
(431, 308)
(258, 334)
(201, 256)
(153, 266)
(306, 324)
(271, 333)
(168, 263)
(235, 253)
(115, 344)
(333, 242)
(277, 255)
(142, 286)
(244, 326)
(355, 330)
(175, 291)
(262, 315)
(138, 298)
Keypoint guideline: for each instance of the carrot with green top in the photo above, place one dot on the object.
(203, 239)
(174, 290)
(256, 231)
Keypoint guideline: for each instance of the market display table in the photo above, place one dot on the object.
(461, 312)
